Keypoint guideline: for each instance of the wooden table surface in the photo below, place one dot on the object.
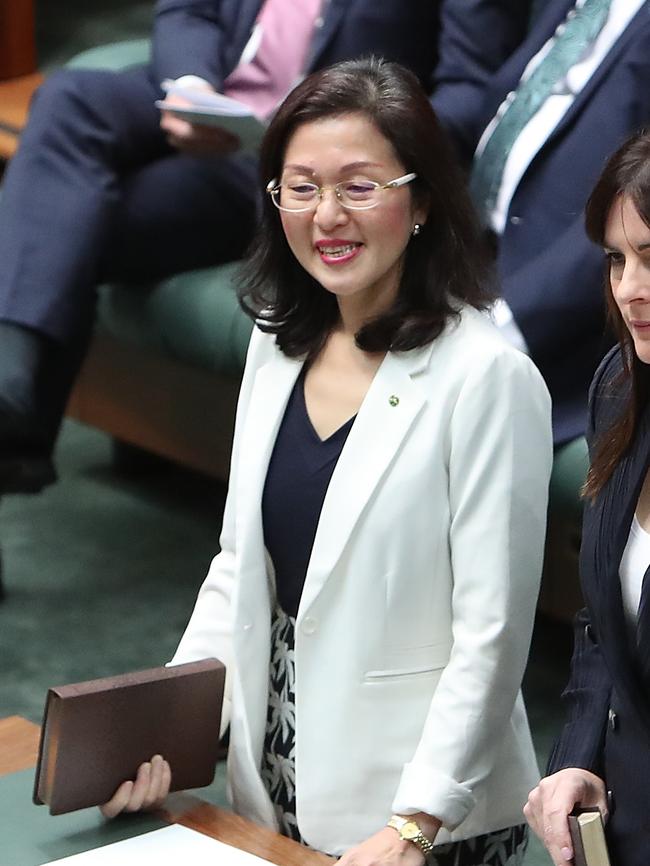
(19, 751)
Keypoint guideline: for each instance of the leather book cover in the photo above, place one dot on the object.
(96, 734)
(588, 837)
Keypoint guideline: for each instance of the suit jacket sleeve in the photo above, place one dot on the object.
(499, 466)
(476, 38)
(189, 38)
(209, 630)
(558, 292)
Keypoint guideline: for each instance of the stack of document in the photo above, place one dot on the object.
(215, 109)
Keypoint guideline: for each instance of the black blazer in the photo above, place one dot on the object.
(608, 731)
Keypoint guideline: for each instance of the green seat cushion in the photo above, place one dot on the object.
(570, 466)
(193, 317)
(115, 55)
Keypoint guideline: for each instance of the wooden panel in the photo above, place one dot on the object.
(17, 48)
(234, 830)
(15, 96)
(174, 410)
(18, 751)
(18, 744)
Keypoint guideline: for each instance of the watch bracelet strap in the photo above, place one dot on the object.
(422, 842)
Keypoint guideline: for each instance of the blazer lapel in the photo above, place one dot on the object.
(271, 390)
(391, 405)
(620, 501)
(332, 19)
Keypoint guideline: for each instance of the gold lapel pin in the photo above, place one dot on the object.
(393, 400)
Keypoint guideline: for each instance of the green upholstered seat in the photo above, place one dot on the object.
(115, 55)
(193, 317)
(570, 465)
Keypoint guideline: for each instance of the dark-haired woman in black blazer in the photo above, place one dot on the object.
(602, 757)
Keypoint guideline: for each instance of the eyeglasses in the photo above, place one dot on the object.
(301, 196)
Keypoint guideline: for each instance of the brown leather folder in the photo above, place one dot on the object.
(96, 734)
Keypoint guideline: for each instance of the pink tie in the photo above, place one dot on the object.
(287, 27)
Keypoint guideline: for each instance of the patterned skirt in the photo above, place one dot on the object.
(500, 848)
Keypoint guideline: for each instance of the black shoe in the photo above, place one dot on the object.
(26, 474)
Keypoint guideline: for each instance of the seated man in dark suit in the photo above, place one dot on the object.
(100, 188)
(541, 128)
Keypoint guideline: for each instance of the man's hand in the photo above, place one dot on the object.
(553, 799)
(194, 138)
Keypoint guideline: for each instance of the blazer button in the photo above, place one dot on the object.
(309, 625)
(516, 220)
(612, 719)
(611, 802)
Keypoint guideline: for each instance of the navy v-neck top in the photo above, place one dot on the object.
(299, 473)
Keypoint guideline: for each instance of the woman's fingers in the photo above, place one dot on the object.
(159, 783)
(148, 791)
(140, 788)
(118, 801)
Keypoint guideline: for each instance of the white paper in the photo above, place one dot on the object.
(166, 847)
(215, 109)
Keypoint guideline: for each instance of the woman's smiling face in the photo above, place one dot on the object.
(355, 254)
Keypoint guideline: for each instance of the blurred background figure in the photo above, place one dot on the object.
(135, 197)
(536, 134)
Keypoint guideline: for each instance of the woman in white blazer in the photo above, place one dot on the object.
(382, 540)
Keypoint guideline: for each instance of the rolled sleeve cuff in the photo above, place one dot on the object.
(424, 789)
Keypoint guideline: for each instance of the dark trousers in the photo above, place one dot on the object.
(95, 193)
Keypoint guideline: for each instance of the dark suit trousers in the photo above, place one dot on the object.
(95, 193)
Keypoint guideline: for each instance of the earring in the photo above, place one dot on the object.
(416, 229)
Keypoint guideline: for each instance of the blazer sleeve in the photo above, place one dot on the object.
(587, 695)
(209, 631)
(476, 38)
(499, 467)
(586, 698)
(190, 38)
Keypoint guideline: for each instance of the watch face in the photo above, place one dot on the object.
(410, 830)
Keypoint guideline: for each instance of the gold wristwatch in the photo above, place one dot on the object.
(409, 831)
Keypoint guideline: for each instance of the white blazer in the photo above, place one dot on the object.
(415, 619)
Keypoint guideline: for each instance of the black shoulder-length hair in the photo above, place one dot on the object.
(447, 261)
(626, 175)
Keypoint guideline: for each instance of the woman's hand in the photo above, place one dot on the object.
(386, 848)
(149, 790)
(553, 799)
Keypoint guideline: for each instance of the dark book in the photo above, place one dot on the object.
(96, 734)
(588, 838)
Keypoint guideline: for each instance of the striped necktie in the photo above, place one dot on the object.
(572, 38)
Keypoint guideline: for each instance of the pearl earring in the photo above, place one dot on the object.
(416, 229)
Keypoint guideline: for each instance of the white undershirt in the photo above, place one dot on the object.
(634, 564)
(533, 136)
